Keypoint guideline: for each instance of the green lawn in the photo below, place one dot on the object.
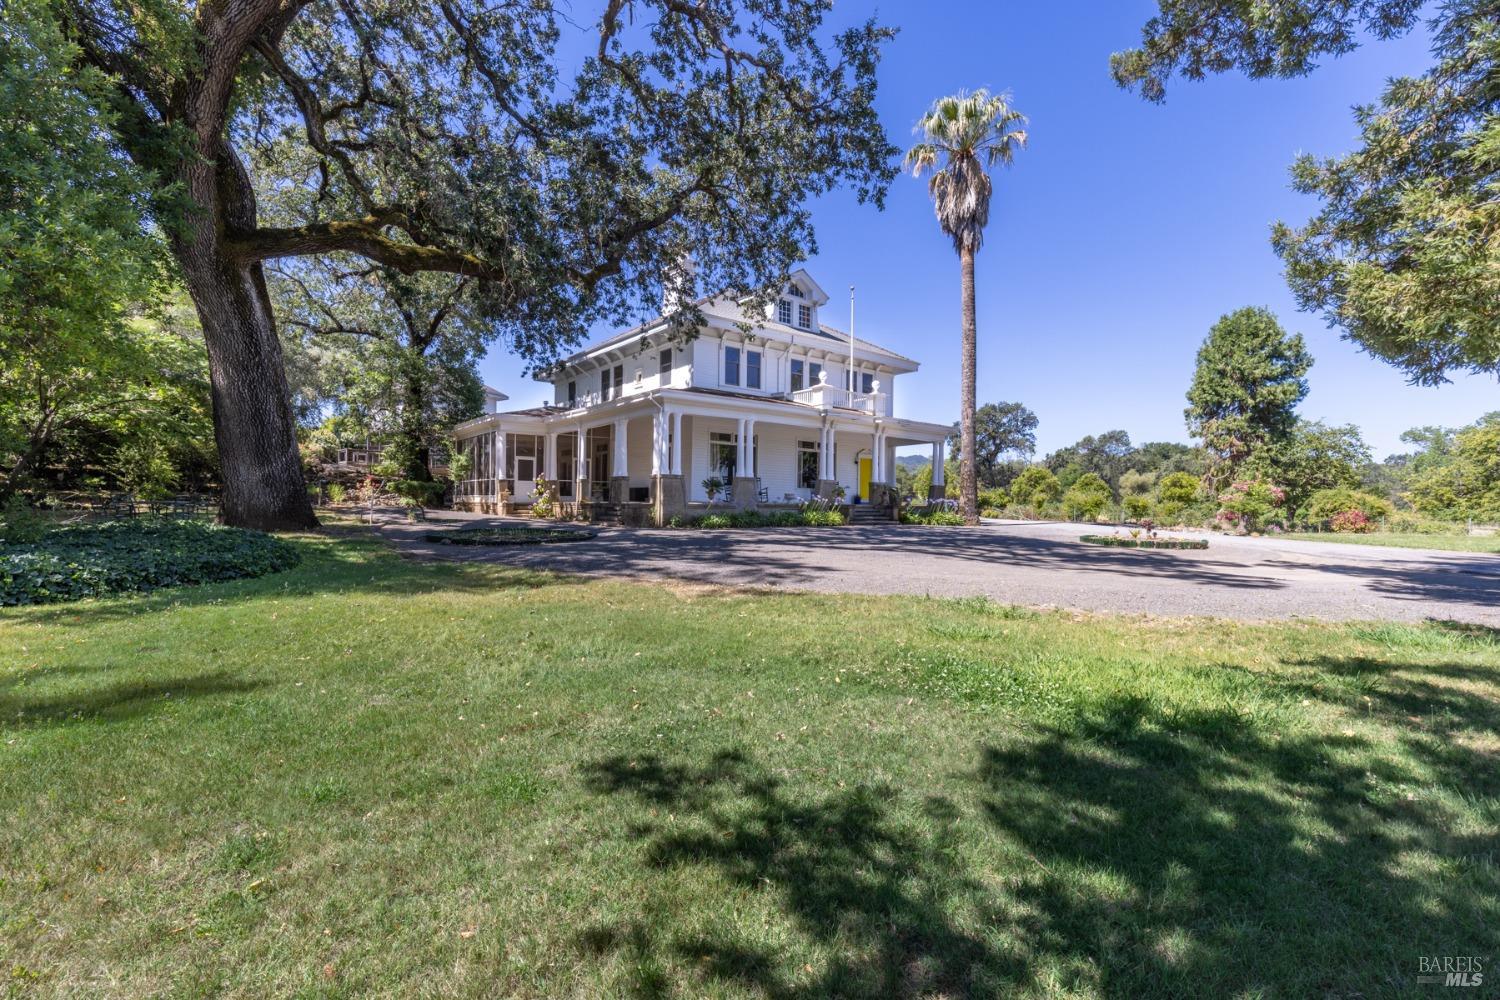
(372, 777)
(1451, 543)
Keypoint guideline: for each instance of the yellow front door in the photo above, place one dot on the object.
(864, 479)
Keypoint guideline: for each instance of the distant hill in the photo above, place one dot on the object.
(914, 461)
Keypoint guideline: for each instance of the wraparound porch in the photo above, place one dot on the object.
(649, 458)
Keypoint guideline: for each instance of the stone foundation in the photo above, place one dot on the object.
(744, 494)
(619, 489)
(669, 498)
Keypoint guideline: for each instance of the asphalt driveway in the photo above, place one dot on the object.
(1035, 564)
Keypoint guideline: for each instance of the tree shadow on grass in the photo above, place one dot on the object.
(113, 703)
(1127, 854)
(1214, 859)
(851, 876)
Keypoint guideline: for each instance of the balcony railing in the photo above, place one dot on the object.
(876, 403)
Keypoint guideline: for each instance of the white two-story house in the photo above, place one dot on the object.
(647, 422)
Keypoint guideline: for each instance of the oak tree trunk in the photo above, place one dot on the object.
(253, 423)
(968, 485)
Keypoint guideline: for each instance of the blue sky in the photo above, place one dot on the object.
(1122, 233)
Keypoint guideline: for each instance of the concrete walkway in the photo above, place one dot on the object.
(1027, 563)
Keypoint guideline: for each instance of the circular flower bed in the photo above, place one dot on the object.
(116, 557)
(1122, 542)
(511, 534)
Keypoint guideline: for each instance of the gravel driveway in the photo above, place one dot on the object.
(1028, 563)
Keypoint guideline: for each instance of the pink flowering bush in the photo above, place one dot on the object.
(1354, 521)
(1247, 505)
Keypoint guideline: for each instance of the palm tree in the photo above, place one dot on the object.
(966, 133)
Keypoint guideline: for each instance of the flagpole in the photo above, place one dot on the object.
(851, 346)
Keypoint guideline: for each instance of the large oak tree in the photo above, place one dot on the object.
(479, 140)
(1404, 255)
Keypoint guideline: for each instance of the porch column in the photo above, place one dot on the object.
(937, 490)
(619, 471)
(676, 441)
(743, 492)
(581, 466)
(550, 469)
(501, 468)
(750, 448)
(660, 421)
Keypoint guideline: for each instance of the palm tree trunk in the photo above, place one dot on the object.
(968, 485)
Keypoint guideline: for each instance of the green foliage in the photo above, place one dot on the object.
(511, 534)
(1106, 456)
(1315, 457)
(89, 362)
(336, 493)
(1250, 376)
(1465, 480)
(759, 519)
(1325, 505)
(1249, 504)
(1404, 254)
(1087, 497)
(423, 492)
(1000, 430)
(67, 564)
(544, 498)
(945, 518)
(144, 469)
(994, 498)
(18, 522)
(714, 487)
(1137, 505)
(1124, 542)
(1178, 488)
(1036, 487)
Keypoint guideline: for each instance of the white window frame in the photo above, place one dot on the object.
(784, 312)
(804, 316)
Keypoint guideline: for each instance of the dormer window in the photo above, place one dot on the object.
(804, 317)
(784, 312)
(794, 291)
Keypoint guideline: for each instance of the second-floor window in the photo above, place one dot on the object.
(752, 369)
(619, 381)
(666, 366)
(572, 394)
(784, 312)
(605, 384)
(731, 366)
(814, 374)
(804, 317)
(799, 368)
(867, 382)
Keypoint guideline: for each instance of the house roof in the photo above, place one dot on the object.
(800, 277)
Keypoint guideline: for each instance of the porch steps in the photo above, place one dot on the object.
(864, 513)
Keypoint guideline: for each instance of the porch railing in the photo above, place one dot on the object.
(877, 403)
(475, 488)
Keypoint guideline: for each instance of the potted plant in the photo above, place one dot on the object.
(714, 487)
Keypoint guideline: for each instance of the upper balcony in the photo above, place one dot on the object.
(875, 403)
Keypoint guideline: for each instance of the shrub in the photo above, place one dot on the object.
(713, 486)
(544, 498)
(1178, 488)
(19, 523)
(419, 492)
(143, 554)
(995, 498)
(756, 519)
(336, 492)
(1138, 505)
(510, 534)
(1120, 541)
(991, 512)
(1036, 486)
(1355, 521)
(1247, 505)
(1326, 505)
(1087, 497)
(943, 517)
